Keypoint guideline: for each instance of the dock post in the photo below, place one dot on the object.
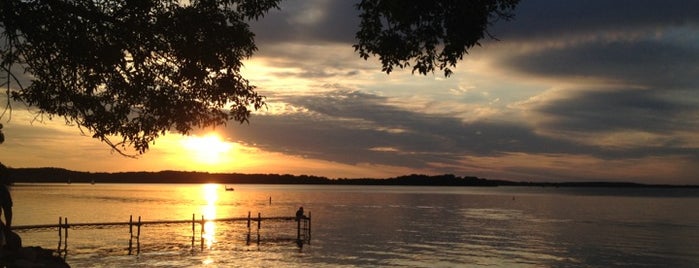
(248, 237)
(60, 233)
(299, 242)
(65, 241)
(130, 233)
(309, 228)
(259, 222)
(194, 234)
(138, 237)
(202, 233)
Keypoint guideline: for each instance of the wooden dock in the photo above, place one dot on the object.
(303, 228)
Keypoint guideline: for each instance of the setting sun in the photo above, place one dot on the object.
(209, 149)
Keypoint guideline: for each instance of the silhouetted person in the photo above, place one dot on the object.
(10, 240)
(5, 197)
(6, 200)
(299, 214)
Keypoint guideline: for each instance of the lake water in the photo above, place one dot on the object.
(371, 226)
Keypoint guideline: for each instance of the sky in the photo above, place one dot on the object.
(571, 91)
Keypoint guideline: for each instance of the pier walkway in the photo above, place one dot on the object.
(303, 228)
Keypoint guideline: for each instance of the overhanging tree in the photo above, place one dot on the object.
(135, 69)
(426, 34)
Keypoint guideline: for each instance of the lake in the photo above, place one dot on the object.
(370, 226)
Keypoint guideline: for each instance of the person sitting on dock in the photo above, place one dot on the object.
(299, 214)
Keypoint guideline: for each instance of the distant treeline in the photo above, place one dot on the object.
(59, 175)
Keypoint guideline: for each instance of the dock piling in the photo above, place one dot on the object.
(194, 234)
(309, 227)
(299, 242)
(130, 233)
(62, 236)
(259, 223)
(60, 233)
(247, 241)
(65, 241)
(202, 233)
(138, 237)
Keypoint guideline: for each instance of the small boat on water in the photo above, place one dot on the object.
(230, 188)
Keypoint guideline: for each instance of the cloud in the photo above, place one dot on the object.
(621, 75)
(348, 127)
(353, 127)
(550, 19)
(618, 110)
(309, 22)
(644, 63)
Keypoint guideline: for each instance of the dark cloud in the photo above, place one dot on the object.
(353, 127)
(346, 125)
(544, 19)
(309, 22)
(632, 63)
(619, 110)
(338, 21)
(647, 63)
(420, 132)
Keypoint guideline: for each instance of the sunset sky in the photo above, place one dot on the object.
(572, 91)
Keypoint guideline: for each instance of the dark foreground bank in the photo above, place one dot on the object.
(30, 257)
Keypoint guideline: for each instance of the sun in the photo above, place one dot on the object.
(208, 149)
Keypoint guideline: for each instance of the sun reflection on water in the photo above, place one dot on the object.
(210, 192)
